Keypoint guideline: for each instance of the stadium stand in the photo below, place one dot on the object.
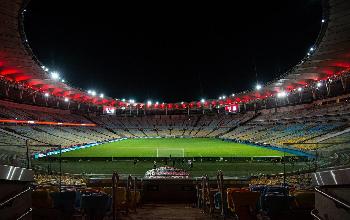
(311, 118)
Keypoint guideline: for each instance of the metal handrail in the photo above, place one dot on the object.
(334, 198)
(115, 182)
(25, 214)
(315, 214)
(15, 196)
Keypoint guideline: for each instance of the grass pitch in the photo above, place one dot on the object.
(176, 147)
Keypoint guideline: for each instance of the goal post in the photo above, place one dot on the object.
(174, 152)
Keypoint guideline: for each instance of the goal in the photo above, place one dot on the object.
(174, 152)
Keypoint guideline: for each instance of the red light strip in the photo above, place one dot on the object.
(44, 123)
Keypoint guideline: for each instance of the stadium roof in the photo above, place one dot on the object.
(328, 57)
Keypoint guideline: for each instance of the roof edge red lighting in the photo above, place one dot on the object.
(12, 121)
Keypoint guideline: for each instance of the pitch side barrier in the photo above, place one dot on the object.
(72, 148)
(286, 149)
(302, 156)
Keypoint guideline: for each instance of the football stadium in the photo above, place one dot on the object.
(280, 150)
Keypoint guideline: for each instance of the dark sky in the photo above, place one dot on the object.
(172, 52)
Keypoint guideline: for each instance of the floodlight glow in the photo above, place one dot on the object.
(202, 100)
(66, 99)
(55, 75)
(220, 98)
(308, 54)
(322, 20)
(63, 80)
(102, 95)
(46, 94)
(300, 89)
(89, 92)
(123, 100)
(319, 84)
(233, 94)
(312, 49)
(258, 87)
(223, 97)
(281, 94)
(149, 102)
(93, 93)
(182, 103)
(157, 103)
(132, 101)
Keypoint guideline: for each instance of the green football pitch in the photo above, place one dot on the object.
(176, 147)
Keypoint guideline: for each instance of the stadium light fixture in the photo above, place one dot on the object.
(312, 49)
(220, 98)
(323, 20)
(300, 89)
(223, 97)
(93, 93)
(182, 103)
(308, 54)
(281, 94)
(319, 84)
(89, 92)
(46, 94)
(233, 94)
(66, 99)
(55, 75)
(258, 87)
(123, 100)
(102, 95)
(132, 101)
(202, 100)
(63, 80)
(149, 102)
(157, 103)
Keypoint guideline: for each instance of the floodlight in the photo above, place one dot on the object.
(55, 75)
(66, 99)
(46, 94)
(101, 95)
(132, 101)
(258, 87)
(281, 94)
(202, 100)
(319, 84)
(93, 93)
(149, 102)
(300, 89)
(123, 100)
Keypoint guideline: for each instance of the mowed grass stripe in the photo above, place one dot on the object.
(193, 147)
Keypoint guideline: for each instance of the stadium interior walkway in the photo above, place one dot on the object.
(166, 211)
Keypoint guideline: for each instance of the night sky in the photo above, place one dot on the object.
(174, 52)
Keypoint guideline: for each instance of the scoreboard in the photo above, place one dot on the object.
(109, 110)
(233, 108)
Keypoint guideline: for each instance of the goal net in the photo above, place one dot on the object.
(174, 152)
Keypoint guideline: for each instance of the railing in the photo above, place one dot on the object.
(115, 183)
(14, 197)
(339, 202)
(315, 214)
(25, 213)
